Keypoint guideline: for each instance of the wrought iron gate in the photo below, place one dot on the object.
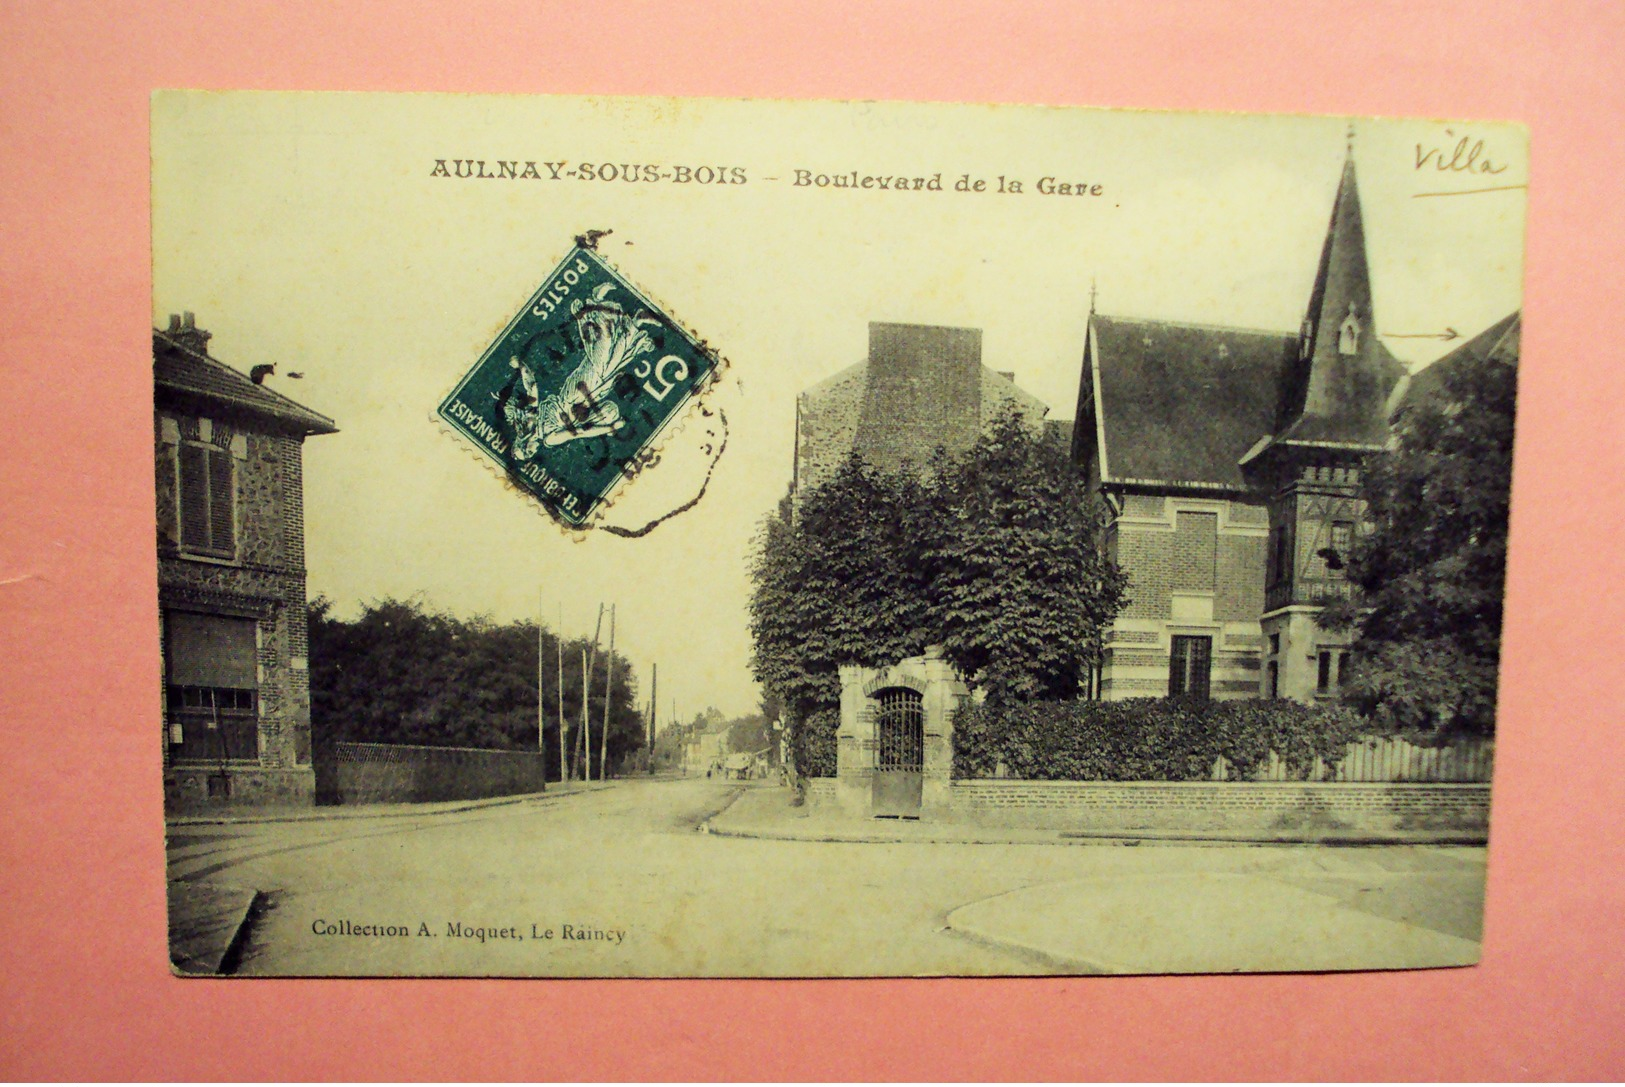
(899, 754)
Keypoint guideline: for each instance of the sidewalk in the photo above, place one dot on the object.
(1177, 910)
(764, 811)
(1202, 923)
(290, 814)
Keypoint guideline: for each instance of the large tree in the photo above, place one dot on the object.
(994, 554)
(839, 582)
(1430, 570)
(399, 673)
(1020, 587)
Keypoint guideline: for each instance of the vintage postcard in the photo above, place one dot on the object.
(686, 538)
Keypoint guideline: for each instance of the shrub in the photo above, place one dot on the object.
(813, 743)
(1148, 739)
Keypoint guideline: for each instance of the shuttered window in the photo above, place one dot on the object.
(212, 672)
(208, 500)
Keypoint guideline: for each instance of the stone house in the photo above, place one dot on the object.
(921, 386)
(231, 577)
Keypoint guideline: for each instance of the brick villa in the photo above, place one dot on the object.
(1228, 459)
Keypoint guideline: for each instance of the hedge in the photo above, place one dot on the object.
(813, 743)
(1148, 739)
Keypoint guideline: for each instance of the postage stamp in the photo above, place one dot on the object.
(570, 398)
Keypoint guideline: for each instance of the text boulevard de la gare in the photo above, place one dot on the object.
(803, 178)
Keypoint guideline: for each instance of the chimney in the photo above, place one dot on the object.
(184, 331)
(1008, 375)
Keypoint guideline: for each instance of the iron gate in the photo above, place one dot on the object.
(899, 754)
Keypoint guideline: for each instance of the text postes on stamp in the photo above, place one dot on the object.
(570, 397)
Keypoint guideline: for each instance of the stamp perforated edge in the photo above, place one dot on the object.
(674, 425)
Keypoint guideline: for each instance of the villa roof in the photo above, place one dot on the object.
(1181, 403)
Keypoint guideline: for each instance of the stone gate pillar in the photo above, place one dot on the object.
(943, 692)
(940, 690)
(855, 742)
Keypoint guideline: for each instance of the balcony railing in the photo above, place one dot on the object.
(1313, 590)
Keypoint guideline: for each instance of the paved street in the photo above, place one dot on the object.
(620, 883)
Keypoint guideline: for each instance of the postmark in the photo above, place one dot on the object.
(571, 398)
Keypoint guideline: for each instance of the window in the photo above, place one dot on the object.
(1191, 666)
(212, 687)
(1342, 541)
(1278, 571)
(207, 500)
(1330, 675)
(1274, 674)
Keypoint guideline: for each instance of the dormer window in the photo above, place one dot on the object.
(1348, 333)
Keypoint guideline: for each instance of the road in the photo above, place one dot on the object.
(619, 883)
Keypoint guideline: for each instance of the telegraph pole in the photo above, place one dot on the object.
(585, 739)
(654, 693)
(609, 692)
(541, 697)
(558, 642)
(586, 678)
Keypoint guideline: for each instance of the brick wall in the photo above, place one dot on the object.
(924, 389)
(1240, 583)
(821, 791)
(354, 773)
(1195, 557)
(1195, 551)
(1294, 808)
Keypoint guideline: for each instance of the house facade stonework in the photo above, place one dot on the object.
(231, 578)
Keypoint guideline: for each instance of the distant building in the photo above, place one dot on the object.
(231, 577)
(921, 386)
(1230, 462)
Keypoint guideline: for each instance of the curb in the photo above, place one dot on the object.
(1082, 838)
(230, 955)
(1061, 964)
(703, 826)
(339, 811)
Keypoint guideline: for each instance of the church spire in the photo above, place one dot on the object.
(1334, 389)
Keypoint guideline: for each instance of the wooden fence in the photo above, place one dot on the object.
(1388, 760)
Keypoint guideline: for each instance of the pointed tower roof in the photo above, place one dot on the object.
(1335, 389)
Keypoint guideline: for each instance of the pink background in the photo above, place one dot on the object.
(86, 990)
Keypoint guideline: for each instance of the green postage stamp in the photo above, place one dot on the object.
(572, 395)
